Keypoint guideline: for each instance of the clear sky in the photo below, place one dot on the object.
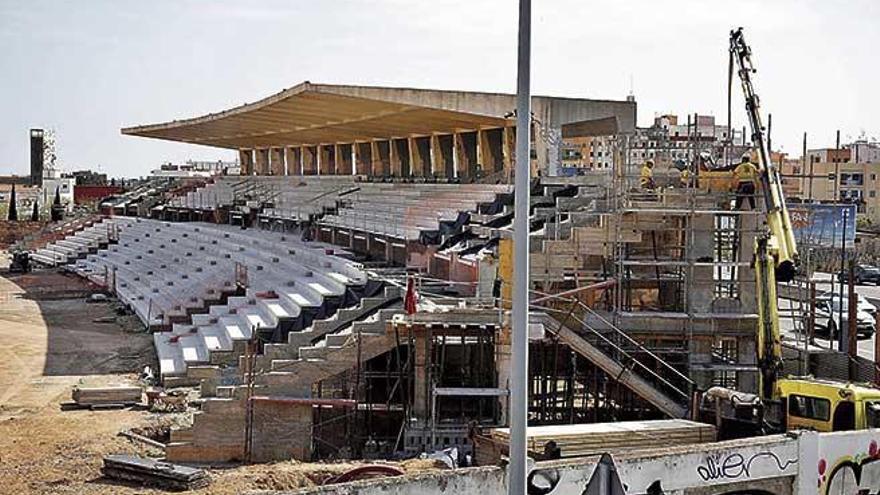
(88, 68)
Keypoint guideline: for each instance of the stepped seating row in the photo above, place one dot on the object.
(288, 370)
(405, 210)
(75, 245)
(182, 276)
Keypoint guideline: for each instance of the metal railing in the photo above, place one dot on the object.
(628, 358)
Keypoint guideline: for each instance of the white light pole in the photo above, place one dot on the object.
(516, 482)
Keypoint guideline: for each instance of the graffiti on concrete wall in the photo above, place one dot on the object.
(734, 465)
(856, 471)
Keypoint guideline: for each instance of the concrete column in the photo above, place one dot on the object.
(246, 160)
(294, 160)
(459, 160)
(363, 158)
(415, 162)
(393, 158)
(747, 354)
(508, 149)
(420, 378)
(702, 247)
(309, 160)
(502, 368)
(446, 145)
(276, 161)
(343, 152)
(482, 153)
(436, 166)
(326, 160)
(376, 168)
(700, 353)
(262, 158)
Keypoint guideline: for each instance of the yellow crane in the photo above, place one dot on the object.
(782, 403)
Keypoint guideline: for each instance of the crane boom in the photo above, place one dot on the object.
(781, 244)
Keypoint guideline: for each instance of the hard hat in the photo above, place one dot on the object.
(746, 157)
(649, 162)
(705, 155)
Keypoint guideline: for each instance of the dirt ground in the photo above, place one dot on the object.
(49, 341)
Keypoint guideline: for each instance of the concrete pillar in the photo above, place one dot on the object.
(393, 158)
(276, 161)
(343, 153)
(363, 158)
(422, 156)
(700, 353)
(481, 167)
(293, 157)
(309, 160)
(502, 368)
(459, 159)
(446, 145)
(376, 168)
(420, 378)
(436, 166)
(702, 247)
(246, 160)
(415, 161)
(326, 160)
(508, 148)
(747, 354)
(262, 159)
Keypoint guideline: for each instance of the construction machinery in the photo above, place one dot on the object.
(781, 403)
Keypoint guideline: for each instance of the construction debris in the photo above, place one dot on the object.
(155, 473)
(93, 397)
(160, 401)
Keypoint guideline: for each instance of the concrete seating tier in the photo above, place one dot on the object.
(74, 246)
(182, 276)
(403, 210)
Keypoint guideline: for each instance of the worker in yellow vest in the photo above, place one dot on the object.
(746, 175)
(646, 177)
(685, 178)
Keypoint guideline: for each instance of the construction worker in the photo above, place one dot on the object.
(685, 178)
(646, 177)
(746, 175)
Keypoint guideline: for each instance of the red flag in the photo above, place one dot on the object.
(409, 301)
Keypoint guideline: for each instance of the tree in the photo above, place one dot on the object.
(57, 210)
(13, 213)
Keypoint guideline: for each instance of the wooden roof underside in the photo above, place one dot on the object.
(304, 115)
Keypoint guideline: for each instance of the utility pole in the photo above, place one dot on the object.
(852, 313)
(519, 370)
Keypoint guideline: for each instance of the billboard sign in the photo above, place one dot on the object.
(823, 224)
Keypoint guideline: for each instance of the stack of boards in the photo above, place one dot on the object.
(150, 472)
(106, 396)
(580, 440)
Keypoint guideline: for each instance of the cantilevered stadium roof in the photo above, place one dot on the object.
(320, 113)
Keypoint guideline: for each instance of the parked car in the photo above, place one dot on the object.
(863, 274)
(831, 316)
(862, 304)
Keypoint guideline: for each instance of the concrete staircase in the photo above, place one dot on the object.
(218, 430)
(342, 319)
(334, 354)
(659, 383)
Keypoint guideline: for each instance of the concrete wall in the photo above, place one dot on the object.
(828, 463)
